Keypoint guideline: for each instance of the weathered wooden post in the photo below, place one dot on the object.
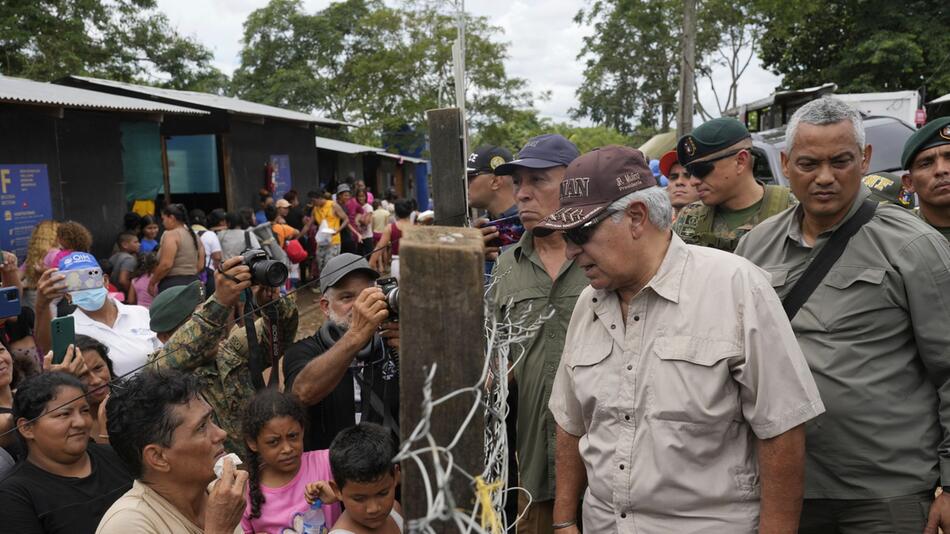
(449, 188)
(441, 321)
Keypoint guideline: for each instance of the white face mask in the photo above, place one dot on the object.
(89, 299)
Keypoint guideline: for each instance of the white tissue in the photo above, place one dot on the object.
(219, 465)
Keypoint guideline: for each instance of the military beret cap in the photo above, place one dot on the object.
(934, 133)
(172, 306)
(886, 187)
(708, 138)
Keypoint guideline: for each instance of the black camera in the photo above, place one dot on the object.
(264, 271)
(390, 287)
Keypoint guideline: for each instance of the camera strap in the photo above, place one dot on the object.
(377, 405)
(255, 353)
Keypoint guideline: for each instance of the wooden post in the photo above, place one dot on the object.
(684, 116)
(442, 321)
(449, 187)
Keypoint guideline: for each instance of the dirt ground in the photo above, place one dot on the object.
(308, 304)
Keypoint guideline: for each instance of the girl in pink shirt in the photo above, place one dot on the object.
(141, 277)
(279, 469)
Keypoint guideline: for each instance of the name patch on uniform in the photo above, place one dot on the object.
(878, 183)
(575, 187)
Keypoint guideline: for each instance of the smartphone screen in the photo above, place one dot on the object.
(63, 334)
(509, 232)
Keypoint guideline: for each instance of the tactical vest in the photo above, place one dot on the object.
(695, 226)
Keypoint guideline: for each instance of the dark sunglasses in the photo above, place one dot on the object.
(701, 169)
(582, 234)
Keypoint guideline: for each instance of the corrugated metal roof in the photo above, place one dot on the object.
(342, 146)
(20, 91)
(336, 145)
(944, 98)
(226, 103)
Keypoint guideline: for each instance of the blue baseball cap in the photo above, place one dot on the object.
(542, 152)
(77, 260)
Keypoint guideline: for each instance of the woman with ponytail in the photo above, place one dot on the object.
(180, 256)
(279, 470)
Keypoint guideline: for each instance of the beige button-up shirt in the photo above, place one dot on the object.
(668, 406)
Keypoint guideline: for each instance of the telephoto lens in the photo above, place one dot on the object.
(264, 271)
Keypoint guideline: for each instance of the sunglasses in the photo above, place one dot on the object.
(582, 234)
(701, 169)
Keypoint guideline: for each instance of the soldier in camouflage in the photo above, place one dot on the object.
(193, 338)
(927, 159)
(718, 156)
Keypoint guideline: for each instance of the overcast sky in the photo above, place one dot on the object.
(543, 43)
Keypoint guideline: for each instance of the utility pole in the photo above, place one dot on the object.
(684, 115)
(458, 53)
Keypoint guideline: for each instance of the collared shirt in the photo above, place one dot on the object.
(668, 406)
(944, 230)
(130, 339)
(523, 294)
(143, 511)
(876, 336)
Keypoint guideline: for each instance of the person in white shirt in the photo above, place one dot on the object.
(123, 328)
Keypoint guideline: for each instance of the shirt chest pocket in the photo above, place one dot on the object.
(690, 380)
(852, 296)
(595, 378)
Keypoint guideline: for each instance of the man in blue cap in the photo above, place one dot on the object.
(927, 160)
(718, 157)
(531, 278)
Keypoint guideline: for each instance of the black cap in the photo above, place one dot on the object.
(542, 152)
(486, 158)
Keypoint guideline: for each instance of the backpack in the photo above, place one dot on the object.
(295, 251)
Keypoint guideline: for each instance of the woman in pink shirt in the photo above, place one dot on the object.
(279, 469)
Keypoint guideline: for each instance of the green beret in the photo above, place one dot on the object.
(173, 306)
(887, 187)
(934, 133)
(710, 137)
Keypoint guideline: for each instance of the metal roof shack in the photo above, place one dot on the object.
(223, 159)
(342, 161)
(29, 92)
(207, 101)
(69, 153)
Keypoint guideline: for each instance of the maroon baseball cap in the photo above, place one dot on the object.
(593, 182)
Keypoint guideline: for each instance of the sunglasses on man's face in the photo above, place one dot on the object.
(701, 169)
(582, 234)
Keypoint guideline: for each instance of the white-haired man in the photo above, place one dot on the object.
(681, 393)
(873, 326)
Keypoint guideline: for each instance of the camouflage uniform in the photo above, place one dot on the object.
(223, 370)
(698, 224)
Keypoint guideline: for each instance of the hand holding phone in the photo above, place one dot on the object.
(9, 302)
(63, 332)
(80, 279)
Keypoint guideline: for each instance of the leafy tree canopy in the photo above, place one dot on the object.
(125, 40)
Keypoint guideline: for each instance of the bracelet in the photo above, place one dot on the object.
(565, 524)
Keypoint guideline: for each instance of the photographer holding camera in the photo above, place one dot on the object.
(347, 372)
(192, 335)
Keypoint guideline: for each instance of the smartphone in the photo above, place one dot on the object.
(9, 302)
(80, 279)
(509, 229)
(64, 334)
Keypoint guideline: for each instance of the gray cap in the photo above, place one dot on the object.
(340, 266)
(343, 188)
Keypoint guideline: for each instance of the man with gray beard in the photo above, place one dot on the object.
(344, 373)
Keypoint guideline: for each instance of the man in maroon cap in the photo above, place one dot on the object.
(681, 385)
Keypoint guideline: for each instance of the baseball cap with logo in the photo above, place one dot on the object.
(542, 152)
(486, 158)
(593, 182)
(886, 187)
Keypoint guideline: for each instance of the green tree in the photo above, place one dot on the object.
(522, 125)
(125, 40)
(632, 58)
(861, 45)
(375, 65)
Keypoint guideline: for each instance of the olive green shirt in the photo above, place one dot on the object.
(523, 293)
(876, 334)
(944, 230)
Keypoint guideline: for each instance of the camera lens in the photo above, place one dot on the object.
(392, 299)
(269, 272)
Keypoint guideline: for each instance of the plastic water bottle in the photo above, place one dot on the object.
(313, 520)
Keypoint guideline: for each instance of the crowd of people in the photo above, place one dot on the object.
(713, 355)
